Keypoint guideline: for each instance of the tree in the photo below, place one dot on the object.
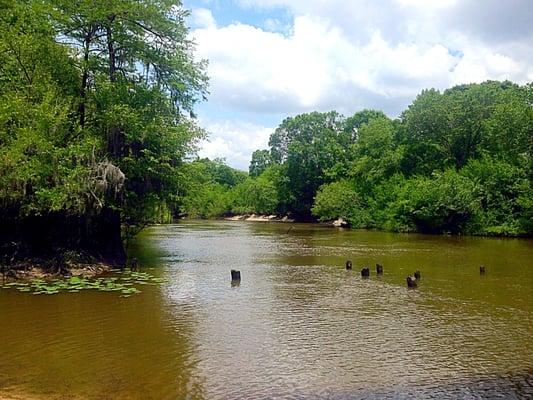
(255, 195)
(377, 155)
(448, 129)
(260, 161)
(353, 123)
(340, 200)
(308, 146)
(95, 116)
(444, 203)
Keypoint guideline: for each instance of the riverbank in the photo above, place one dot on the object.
(259, 218)
(28, 271)
(338, 223)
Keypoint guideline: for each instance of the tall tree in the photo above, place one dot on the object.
(308, 145)
(96, 115)
(261, 159)
(451, 128)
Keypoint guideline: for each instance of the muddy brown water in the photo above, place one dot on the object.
(299, 325)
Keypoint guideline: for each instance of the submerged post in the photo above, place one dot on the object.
(411, 282)
(235, 275)
(379, 269)
(482, 269)
(348, 264)
(365, 272)
(417, 275)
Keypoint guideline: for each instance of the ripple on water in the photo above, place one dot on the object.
(299, 326)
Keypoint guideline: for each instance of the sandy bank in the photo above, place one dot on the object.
(29, 272)
(259, 218)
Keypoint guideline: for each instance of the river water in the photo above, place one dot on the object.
(299, 325)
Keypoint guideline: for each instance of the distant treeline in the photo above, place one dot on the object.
(457, 161)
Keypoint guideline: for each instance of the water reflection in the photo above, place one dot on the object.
(299, 325)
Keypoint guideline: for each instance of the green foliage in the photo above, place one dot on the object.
(121, 281)
(95, 105)
(503, 193)
(443, 203)
(377, 155)
(457, 161)
(353, 124)
(340, 200)
(260, 161)
(203, 195)
(449, 129)
(310, 146)
(257, 195)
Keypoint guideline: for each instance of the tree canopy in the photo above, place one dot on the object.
(456, 161)
(96, 106)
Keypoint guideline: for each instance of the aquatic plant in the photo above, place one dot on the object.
(120, 281)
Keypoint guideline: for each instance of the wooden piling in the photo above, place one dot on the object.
(365, 272)
(348, 264)
(411, 282)
(379, 269)
(235, 275)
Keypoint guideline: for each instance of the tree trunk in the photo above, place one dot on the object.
(45, 237)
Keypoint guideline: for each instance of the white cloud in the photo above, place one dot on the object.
(428, 3)
(234, 141)
(349, 55)
(203, 18)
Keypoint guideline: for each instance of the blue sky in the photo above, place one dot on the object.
(270, 59)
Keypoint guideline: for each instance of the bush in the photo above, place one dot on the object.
(254, 196)
(443, 203)
(503, 193)
(340, 200)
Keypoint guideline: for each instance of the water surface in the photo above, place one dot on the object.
(299, 326)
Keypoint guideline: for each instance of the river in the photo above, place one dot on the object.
(299, 325)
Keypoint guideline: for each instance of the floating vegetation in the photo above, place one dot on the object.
(124, 283)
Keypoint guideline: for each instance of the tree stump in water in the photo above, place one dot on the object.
(417, 275)
(365, 272)
(348, 264)
(482, 269)
(235, 275)
(411, 282)
(379, 269)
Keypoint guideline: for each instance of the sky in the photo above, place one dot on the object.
(272, 59)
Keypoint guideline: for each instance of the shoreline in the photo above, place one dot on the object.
(28, 272)
(259, 218)
(342, 223)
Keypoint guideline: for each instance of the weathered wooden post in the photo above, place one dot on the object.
(134, 264)
(411, 282)
(348, 264)
(379, 269)
(482, 269)
(365, 272)
(417, 275)
(235, 275)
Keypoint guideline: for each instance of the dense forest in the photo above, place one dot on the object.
(96, 119)
(457, 161)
